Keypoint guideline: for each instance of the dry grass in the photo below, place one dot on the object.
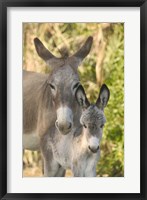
(37, 172)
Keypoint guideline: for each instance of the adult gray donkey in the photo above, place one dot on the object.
(49, 99)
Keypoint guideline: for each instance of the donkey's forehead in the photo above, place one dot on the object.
(93, 110)
(64, 73)
(93, 115)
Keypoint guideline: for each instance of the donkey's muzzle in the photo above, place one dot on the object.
(63, 128)
(94, 150)
(64, 120)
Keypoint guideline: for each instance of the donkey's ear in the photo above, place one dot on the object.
(77, 58)
(85, 49)
(46, 55)
(103, 97)
(81, 97)
(42, 51)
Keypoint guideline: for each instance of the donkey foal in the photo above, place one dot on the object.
(79, 150)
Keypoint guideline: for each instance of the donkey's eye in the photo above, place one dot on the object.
(102, 126)
(84, 126)
(51, 86)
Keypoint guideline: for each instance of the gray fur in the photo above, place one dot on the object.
(72, 151)
(41, 101)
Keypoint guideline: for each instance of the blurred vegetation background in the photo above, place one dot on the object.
(104, 64)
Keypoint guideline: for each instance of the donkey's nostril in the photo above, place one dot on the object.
(94, 150)
(69, 126)
(63, 127)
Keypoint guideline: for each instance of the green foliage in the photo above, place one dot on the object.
(68, 37)
(113, 138)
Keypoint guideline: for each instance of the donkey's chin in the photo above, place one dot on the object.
(64, 132)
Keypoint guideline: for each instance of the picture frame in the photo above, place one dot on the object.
(4, 4)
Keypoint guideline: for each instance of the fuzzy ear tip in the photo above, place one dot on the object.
(90, 39)
(104, 87)
(36, 41)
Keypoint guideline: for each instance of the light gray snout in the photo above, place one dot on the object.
(64, 120)
(93, 144)
(64, 128)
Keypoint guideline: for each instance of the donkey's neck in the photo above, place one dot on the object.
(47, 112)
(40, 112)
